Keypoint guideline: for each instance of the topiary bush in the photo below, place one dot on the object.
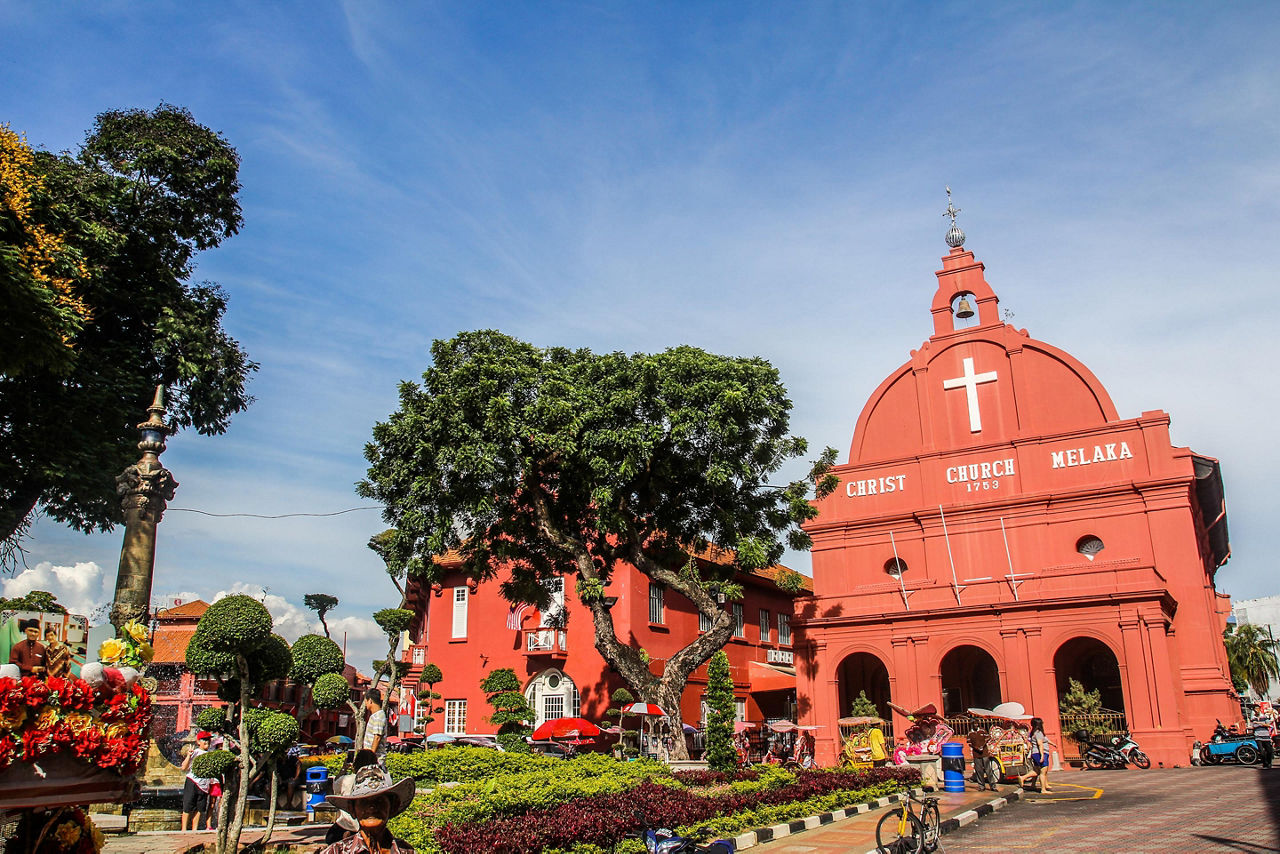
(214, 763)
(233, 619)
(270, 661)
(330, 691)
(214, 718)
(313, 657)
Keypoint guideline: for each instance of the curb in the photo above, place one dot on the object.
(761, 835)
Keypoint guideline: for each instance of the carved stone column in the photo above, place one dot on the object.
(145, 489)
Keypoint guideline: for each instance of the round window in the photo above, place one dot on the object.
(553, 681)
(1089, 546)
(895, 567)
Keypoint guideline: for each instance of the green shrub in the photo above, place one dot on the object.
(513, 742)
(549, 782)
(330, 691)
(213, 763)
(233, 621)
(461, 764)
(314, 656)
(335, 762)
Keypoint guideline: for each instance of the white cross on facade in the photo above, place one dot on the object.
(970, 382)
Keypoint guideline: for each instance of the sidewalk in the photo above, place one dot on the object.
(307, 837)
(857, 833)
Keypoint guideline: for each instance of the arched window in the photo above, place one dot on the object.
(895, 567)
(553, 695)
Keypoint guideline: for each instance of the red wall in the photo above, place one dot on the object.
(489, 644)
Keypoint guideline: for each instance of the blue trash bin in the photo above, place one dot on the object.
(953, 767)
(317, 786)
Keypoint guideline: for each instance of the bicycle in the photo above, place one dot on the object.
(901, 831)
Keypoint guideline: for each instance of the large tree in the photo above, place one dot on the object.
(557, 462)
(99, 306)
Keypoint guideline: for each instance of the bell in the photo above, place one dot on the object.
(964, 311)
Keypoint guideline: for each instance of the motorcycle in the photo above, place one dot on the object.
(1226, 745)
(1119, 751)
(665, 841)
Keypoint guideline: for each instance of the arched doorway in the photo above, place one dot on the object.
(553, 695)
(1090, 662)
(970, 678)
(863, 671)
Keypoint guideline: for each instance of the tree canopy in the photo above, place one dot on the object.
(97, 306)
(565, 462)
(322, 604)
(1251, 654)
(36, 600)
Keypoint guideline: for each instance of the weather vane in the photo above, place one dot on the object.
(955, 237)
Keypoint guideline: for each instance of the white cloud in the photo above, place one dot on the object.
(81, 588)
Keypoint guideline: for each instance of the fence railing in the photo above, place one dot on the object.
(1100, 725)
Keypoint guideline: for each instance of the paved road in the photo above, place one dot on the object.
(1169, 810)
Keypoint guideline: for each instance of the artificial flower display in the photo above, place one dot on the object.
(104, 726)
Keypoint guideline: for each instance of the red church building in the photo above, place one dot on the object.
(999, 530)
(468, 630)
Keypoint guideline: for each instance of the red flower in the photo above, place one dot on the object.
(88, 744)
(35, 691)
(35, 743)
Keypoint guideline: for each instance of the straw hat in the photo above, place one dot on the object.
(370, 782)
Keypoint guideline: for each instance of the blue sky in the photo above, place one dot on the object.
(751, 178)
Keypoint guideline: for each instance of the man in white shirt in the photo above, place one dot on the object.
(375, 730)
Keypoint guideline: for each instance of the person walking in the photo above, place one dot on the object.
(1040, 745)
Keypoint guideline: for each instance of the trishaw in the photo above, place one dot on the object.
(1007, 739)
(1227, 746)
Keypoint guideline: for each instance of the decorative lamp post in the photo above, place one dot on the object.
(145, 488)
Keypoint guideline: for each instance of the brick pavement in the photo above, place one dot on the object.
(857, 834)
(1223, 808)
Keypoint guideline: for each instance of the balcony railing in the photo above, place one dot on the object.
(545, 642)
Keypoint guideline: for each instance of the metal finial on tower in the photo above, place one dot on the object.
(955, 237)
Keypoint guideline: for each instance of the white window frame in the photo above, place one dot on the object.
(657, 603)
(460, 597)
(455, 717)
(552, 707)
(765, 632)
(739, 620)
(704, 622)
(419, 655)
(739, 709)
(784, 629)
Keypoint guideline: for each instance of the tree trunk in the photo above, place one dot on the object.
(242, 796)
(224, 813)
(271, 809)
(358, 712)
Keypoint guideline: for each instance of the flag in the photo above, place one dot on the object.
(515, 614)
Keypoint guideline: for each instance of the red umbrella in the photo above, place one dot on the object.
(566, 728)
(644, 709)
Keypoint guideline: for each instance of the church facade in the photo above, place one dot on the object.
(1000, 530)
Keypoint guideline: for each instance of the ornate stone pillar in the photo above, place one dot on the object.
(145, 489)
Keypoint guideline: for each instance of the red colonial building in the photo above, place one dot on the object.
(999, 529)
(468, 630)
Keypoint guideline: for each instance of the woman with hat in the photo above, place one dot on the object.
(374, 799)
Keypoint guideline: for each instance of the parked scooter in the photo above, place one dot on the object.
(665, 841)
(1119, 751)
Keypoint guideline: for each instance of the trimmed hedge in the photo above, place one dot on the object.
(463, 764)
(604, 820)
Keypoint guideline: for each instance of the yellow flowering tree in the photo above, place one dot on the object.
(42, 277)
